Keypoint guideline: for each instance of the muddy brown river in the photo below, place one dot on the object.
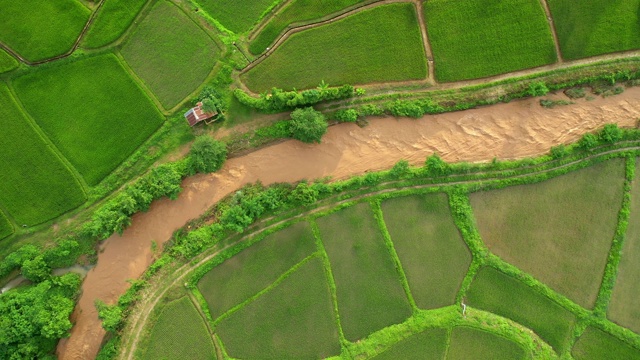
(504, 131)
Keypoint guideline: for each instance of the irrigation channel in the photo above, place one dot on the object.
(505, 131)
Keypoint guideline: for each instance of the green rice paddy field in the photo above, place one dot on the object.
(474, 39)
(587, 28)
(236, 15)
(354, 50)
(170, 53)
(6, 228)
(333, 283)
(94, 98)
(7, 62)
(112, 20)
(296, 11)
(31, 175)
(42, 29)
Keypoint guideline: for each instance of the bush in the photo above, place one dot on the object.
(206, 155)
(575, 93)
(36, 269)
(400, 169)
(308, 125)
(436, 166)
(537, 88)
(111, 316)
(559, 151)
(610, 133)
(347, 115)
(304, 194)
(588, 141)
(279, 100)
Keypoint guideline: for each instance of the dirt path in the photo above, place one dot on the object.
(506, 131)
(556, 40)
(431, 73)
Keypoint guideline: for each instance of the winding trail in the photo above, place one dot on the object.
(505, 131)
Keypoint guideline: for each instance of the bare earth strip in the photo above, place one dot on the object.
(506, 131)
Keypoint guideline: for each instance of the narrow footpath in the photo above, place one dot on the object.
(504, 131)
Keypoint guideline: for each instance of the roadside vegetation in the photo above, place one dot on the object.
(296, 11)
(585, 27)
(111, 21)
(170, 53)
(43, 29)
(475, 39)
(93, 99)
(354, 50)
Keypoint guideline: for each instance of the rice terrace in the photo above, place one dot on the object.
(320, 179)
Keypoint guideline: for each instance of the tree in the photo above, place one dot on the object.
(206, 155)
(436, 166)
(111, 315)
(611, 133)
(308, 125)
(209, 106)
(588, 141)
(36, 269)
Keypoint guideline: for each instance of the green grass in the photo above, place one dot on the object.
(41, 29)
(370, 295)
(430, 344)
(180, 333)
(35, 185)
(252, 270)
(377, 45)
(469, 343)
(496, 292)
(111, 22)
(431, 250)
(6, 228)
(297, 11)
(294, 320)
(7, 62)
(236, 15)
(560, 230)
(478, 38)
(92, 110)
(623, 307)
(170, 53)
(587, 28)
(595, 344)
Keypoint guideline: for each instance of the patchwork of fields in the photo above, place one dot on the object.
(331, 282)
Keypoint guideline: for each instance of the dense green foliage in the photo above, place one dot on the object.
(111, 316)
(180, 333)
(469, 343)
(92, 111)
(35, 185)
(7, 62)
(308, 125)
(356, 249)
(170, 53)
(294, 320)
(431, 344)
(429, 246)
(496, 292)
(585, 27)
(236, 15)
(279, 100)
(570, 259)
(375, 45)
(296, 11)
(43, 29)
(206, 155)
(6, 228)
(252, 270)
(622, 308)
(33, 318)
(112, 20)
(474, 39)
(595, 344)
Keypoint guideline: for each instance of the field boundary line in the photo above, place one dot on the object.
(552, 25)
(382, 227)
(267, 289)
(138, 321)
(266, 19)
(422, 23)
(51, 145)
(331, 282)
(291, 31)
(196, 304)
(90, 20)
(141, 84)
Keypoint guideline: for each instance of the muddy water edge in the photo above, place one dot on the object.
(505, 131)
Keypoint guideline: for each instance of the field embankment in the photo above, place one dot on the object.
(514, 130)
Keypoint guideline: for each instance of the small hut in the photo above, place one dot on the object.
(195, 115)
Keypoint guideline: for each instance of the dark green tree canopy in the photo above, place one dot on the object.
(308, 125)
(206, 155)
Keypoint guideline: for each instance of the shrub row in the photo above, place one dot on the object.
(280, 100)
